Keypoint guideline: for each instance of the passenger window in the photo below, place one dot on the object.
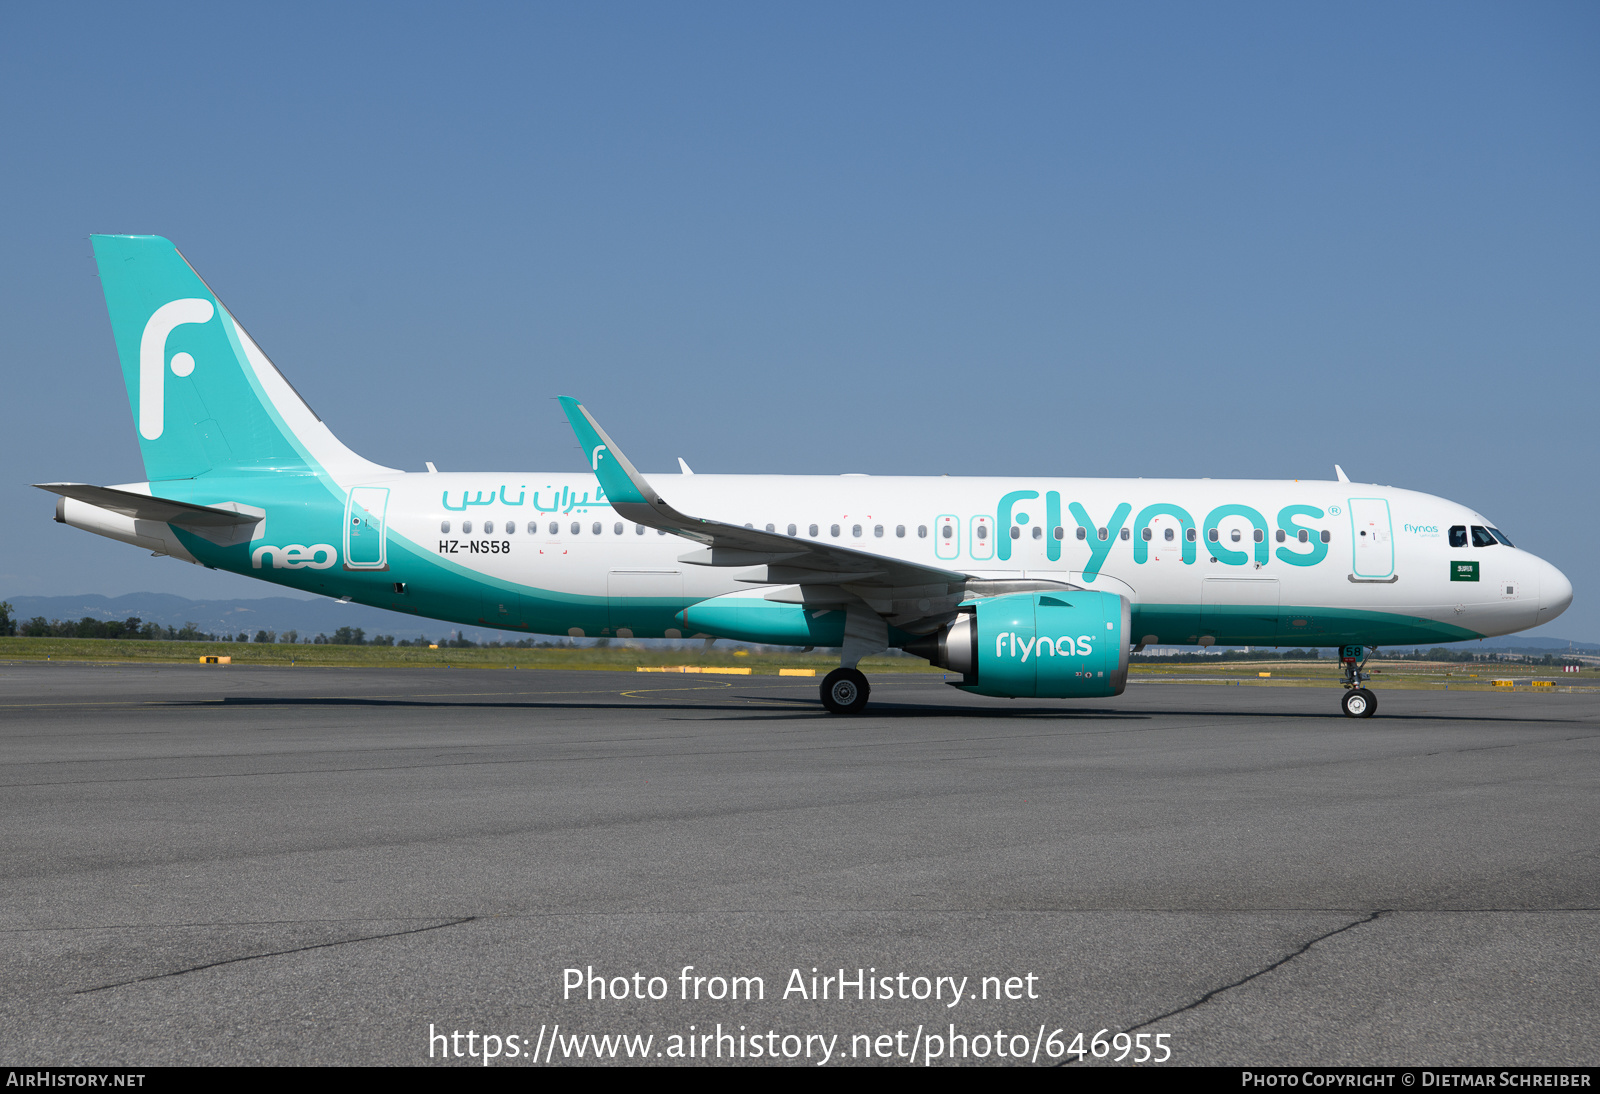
(1481, 537)
(1016, 532)
(983, 531)
(792, 529)
(855, 531)
(466, 527)
(555, 529)
(771, 528)
(577, 529)
(1038, 532)
(661, 531)
(1260, 536)
(444, 527)
(1083, 533)
(511, 527)
(833, 529)
(1169, 535)
(922, 531)
(488, 527)
(616, 529)
(1304, 536)
(1212, 535)
(1327, 536)
(1061, 533)
(899, 531)
(1147, 535)
(1127, 535)
(1189, 534)
(877, 531)
(1104, 535)
(638, 529)
(596, 528)
(1281, 535)
(1458, 535)
(813, 529)
(1234, 535)
(947, 531)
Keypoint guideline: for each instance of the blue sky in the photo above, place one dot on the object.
(1134, 239)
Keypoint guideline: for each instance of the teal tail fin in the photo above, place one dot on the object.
(205, 398)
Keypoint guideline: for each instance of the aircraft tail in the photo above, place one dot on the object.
(205, 398)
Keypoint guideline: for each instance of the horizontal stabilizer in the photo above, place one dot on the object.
(145, 507)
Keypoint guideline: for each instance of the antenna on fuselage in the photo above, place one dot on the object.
(1339, 472)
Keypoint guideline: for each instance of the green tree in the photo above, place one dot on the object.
(8, 626)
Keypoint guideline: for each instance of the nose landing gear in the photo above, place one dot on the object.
(1358, 702)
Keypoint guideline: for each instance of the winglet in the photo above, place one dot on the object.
(621, 481)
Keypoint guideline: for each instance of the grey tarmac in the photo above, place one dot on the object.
(238, 865)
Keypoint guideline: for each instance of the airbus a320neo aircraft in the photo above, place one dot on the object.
(1025, 586)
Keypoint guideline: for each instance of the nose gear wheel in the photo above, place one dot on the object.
(1359, 703)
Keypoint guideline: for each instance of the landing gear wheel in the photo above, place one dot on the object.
(845, 691)
(1359, 703)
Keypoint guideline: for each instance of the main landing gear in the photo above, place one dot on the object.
(845, 691)
(1358, 702)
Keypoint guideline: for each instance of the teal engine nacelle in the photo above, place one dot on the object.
(1036, 645)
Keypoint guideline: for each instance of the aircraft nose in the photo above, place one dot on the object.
(1555, 592)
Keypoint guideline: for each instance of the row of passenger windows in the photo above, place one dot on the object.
(1169, 535)
(510, 528)
(1481, 536)
(598, 528)
(834, 530)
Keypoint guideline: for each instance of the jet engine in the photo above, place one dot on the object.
(1036, 645)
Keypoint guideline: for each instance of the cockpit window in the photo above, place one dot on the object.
(1458, 535)
(1481, 537)
(1501, 536)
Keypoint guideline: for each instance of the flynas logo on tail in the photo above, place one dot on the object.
(153, 360)
(594, 459)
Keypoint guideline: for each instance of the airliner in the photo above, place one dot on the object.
(1023, 587)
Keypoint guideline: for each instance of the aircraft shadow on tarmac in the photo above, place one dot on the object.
(778, 707)
(783, 708)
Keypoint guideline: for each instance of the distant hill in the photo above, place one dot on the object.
(231, 617)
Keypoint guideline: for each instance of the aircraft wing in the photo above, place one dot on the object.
(910, 595)
(145, 507)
